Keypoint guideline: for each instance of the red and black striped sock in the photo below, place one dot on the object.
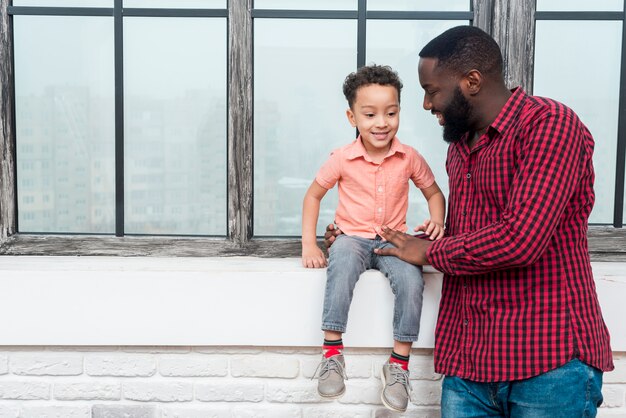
(332, 347)
(403, 361)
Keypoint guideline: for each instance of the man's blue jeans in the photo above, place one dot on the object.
(349, 257)
(570, 391)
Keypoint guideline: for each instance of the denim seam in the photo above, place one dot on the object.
(333, 327)
(405, 338)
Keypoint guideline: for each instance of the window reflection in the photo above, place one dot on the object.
(397, 43)
(580, 5)
(306, 5)
(412, 5)
(64, 88)
(558, 51)
(299, 114)
(175, 126)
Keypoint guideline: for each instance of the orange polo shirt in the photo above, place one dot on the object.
(371, 194)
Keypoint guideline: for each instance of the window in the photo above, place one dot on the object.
(566, 34)
(201, 123)
(301, 58)
(65, 84)
(175, 125)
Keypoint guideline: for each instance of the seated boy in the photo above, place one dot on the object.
(372, 174)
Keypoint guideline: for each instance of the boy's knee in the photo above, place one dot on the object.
(410, 286)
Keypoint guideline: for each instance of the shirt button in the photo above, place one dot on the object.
(468, 175)
(380, 189)
(465, 322)
(380, 210)
(464, 213)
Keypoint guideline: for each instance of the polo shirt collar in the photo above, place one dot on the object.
(357, 149)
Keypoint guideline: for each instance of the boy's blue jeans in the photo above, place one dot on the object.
(349, 257)
(570, 391)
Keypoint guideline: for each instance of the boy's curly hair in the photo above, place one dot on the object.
(370, 74)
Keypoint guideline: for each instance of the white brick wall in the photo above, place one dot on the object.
(205, 382)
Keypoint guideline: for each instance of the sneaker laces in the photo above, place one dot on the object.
(401, 376)
(327, 365)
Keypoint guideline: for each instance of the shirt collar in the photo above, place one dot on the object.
(501, 123)
(509, 112)
(356, 149)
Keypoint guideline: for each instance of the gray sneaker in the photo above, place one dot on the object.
(330, 374)
(396, 387)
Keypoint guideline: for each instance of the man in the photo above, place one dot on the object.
(519, 332)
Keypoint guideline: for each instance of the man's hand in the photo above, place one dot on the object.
(330, 235)
(408, 248)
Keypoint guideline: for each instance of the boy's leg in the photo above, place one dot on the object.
(402, 348)
(349, 257)
(407, 285)
(333, 344)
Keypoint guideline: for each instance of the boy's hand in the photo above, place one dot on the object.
(313, 257)
(431, 228)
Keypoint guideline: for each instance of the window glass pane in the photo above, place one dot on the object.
(558, 51)
(175, 126)
(177, 4)
(420, 5)
(306, 5)
(299, 115)
(64, 86)
(580, 5)
(64, 3)
(397, 44)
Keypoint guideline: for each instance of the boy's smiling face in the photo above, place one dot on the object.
(376, 114)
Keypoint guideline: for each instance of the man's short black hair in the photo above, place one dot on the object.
(465, 48)
(370, 74)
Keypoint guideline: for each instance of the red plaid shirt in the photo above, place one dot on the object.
(518, 295)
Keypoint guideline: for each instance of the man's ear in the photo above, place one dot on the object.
(472, 82)
(351, 118)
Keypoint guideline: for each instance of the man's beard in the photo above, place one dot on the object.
(456, 117)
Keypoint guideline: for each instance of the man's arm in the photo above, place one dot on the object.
(554, 157)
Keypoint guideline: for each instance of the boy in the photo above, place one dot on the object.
(372, 174)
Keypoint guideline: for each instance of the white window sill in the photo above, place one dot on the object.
(212, 301)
